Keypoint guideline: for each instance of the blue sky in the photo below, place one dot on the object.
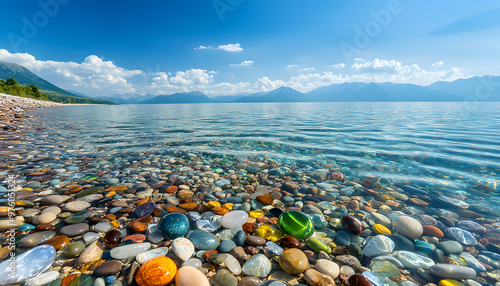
(221, 47)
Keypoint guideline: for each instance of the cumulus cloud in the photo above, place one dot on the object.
(228, 47)
(93, 72)
(231, 47)
(98, 77)
(242, 64)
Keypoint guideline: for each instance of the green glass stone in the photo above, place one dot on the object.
(317, 245)
(296, 224)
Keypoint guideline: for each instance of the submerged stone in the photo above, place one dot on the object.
(28, 265)
(174, 225)
(296, 224)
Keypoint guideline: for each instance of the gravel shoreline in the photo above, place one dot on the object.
(12, 107)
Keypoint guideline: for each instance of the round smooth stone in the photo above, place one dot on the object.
(44, 218)
(234, 218)
(203, 240)
(7, 224)
(142, 258)
(58, 242)
(82, 280)
(53, 209)
(317, 245)
(75, 229)
(296, 224)
(357, 280)
(450, 246)
(293, 261)
(461, 235)
(409, 227)
(90, 237)
(110, 267)
(424, 246)
(328, 267)
(232, 264)
(378, 245)
(174, 225)
(113, 236)
(290, 241)
(90, 254)
(183, 248)
(158, 271)
(452, 271)
(224, 278)
(102, 227)
(76, 206)
(43, 279)
(413, 260)
(145, 209)
(239, 238)
(314, 277)
(74, 249)
(128, 251)
(226, 246)
(353, 224)
(190, 276)
(36, 238)
(28, 265)
(258, 266)
(402, 243)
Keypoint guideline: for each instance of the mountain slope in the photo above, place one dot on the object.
(25, 77)
(182, 97)
(282, 94)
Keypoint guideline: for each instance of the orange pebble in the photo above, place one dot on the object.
(158, 271)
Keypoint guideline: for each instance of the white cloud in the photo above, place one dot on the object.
(437, 65)
(242, 64)
(341, 65)
(97, 77)
(93, 72)
(307, 69)
(231, 47)
(201, 47)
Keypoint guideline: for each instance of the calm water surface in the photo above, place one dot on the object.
(454, 144)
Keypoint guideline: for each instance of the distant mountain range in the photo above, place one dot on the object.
(25, 77)
(485, 88)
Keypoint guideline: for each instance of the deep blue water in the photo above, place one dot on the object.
(443, 144)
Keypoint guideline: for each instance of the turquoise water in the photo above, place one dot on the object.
(451, 145)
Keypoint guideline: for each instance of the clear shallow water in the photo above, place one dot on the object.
(452, 145)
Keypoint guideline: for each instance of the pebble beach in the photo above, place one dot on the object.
(164, 217)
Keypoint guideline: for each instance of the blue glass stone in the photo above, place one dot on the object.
(423, 246)
(273, 249)
(26, 227)
(318, 220)
(173, 225)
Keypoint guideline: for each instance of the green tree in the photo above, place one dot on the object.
(11, 81)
